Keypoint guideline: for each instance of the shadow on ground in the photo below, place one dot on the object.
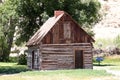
(102, 65)
(12, 69)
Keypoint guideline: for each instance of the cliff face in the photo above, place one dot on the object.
(109, 26)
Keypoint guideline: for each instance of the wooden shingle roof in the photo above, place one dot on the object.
(47, 26)
(38, 36)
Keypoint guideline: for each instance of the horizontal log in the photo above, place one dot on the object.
(88, 62)
(80, 48)
(63, 47)
(56, 56)
(49, 67)
(87, 56)
(49, 61)
(88, 52)
(66, 48)
(71, 44)
(53, 52)
(55, 49)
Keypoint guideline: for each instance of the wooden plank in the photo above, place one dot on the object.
(66, 46)
(49, 67)
(88, 59)
(88, 48)
(52, 48)
(56, 34)
(67, 31)
(80, 48)
(49, 61)
(53, 52)
(90, 62)
(71, 44)
(87, 65)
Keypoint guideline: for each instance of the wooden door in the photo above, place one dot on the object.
(33, 54)
(78, 59)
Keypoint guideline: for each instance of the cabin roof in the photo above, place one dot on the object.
(38, 36)
(46, 27)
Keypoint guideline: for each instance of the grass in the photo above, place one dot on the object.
(78, 74)
(12, 68)
(115, 68)
(113, 62)
(8, 77)
(7, 64)
(75, 73)
(115, 59)
(8, 70)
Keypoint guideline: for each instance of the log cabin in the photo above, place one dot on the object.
(60, 43)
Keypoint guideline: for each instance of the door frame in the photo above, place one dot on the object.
(33, 58)
(75, 58)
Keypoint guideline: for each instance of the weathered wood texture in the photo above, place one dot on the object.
(66, 31)
(60, 44)
(55, 56)
(60, 56)
(34, 63)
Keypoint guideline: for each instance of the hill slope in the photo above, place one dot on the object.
(109, 26)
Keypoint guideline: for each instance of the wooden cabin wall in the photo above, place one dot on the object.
(33, 60)
(62, 56)
(66, 31)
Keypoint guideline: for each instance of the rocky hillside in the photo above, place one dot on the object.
(109, 26)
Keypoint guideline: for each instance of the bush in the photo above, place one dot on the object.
(13, 59)
(4, 51)
(12, 69)
(117, 41)
(22, 60)
(94, 60)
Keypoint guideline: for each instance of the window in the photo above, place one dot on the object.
(67, 30)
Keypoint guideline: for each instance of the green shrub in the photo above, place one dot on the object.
(22, 60)
(94, 60)
(104, 42)
(117, 41)
(12, 69)
(13, 59)
(4, 51)
(108, 42)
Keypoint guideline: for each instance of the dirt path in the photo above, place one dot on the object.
(114, 72)
(108, 70)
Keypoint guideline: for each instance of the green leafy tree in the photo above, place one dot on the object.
(34, 12)
(8, 22)
(117, 41)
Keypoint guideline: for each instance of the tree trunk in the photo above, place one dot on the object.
(9, 40)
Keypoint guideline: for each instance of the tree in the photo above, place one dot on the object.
(0, 1)
(8, 22)
(34, 12)
(117, 41)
